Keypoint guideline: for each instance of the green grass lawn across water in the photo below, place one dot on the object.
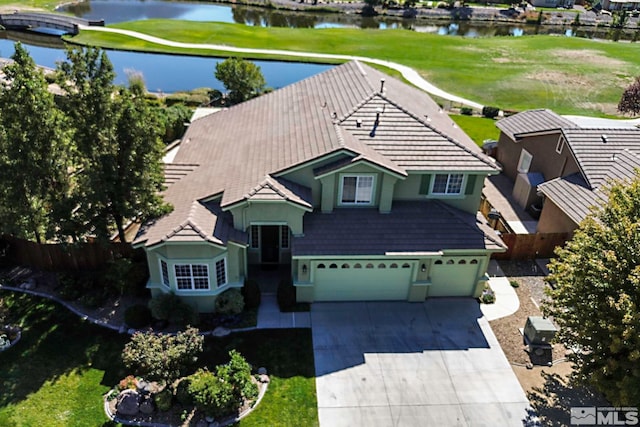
(569, 75)
(57, 373)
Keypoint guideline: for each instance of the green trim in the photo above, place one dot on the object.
(307, 163)
(471, 185)
(246, 202)
(425, 184)
(368, 163)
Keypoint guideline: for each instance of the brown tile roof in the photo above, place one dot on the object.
(596, 150)
(574, 197)
(242, 150)
(424, 226)
(532, 121)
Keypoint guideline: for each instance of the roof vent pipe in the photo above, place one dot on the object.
(604, 138)
(359, 123)
(381, 85)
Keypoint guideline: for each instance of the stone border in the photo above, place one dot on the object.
(18, 333)
(113, 417)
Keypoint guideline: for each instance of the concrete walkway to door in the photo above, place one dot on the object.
(412, 364)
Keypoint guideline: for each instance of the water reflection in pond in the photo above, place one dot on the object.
(166, 73)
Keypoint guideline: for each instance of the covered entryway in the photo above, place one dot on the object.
(454, 277)
(367, 280)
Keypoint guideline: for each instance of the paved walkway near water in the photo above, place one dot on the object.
(408, 73)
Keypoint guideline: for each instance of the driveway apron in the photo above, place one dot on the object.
(412, 364)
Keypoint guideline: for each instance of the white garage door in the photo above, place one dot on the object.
(361, 281)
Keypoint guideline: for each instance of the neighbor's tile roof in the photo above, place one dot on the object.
(532, 121)
(597, 150)
(574, 197)
(422, 226)
(242, 150)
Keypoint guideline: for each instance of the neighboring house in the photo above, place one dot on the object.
(565, 162)
(553, 3)
(359, 184)
(620, 5)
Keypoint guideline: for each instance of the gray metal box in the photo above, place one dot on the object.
(539, 330)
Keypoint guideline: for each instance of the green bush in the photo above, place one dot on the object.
(466, 111)
(230, 302)
(94, 299)
(171, 308)
(212, 395)
(286, 295)
(514, 283)
(159, 357)
(488, 296)
(239, 372)
(137, 316)
(182, 392)
(163, 399)
(490, 112)
(251, 294)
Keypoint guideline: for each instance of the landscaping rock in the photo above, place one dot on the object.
(29, 284)
(221, 332)
(264, 379)
(262, 371)
(128, 403)
(147, 407)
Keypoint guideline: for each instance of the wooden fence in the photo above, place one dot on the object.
(530, 246)
(47, 256)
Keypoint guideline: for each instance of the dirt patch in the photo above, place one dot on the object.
(548, 388)
(562, 79)
(587, 56)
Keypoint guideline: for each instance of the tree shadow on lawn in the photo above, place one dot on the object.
(285, 353)
(54, 342)
(554, 400)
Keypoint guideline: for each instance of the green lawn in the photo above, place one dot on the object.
(478, 128)
(56, 375)
(568, 75)
(42, 4)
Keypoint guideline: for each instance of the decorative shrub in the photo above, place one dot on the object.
(128, 383)
(286, 295)
(490, 112)
(251, 294)
(223, 393)
(137, 316)
(467, 111)
(94, 299)
(230, 302)
(160, 357)
(182, 392)
(171, 308)
(163, 399)
(514, 283)
(488, 296)
(212, 395)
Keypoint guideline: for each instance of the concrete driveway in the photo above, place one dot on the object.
(412, 364)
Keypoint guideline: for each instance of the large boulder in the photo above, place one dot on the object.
(146, 406)
(128, 403)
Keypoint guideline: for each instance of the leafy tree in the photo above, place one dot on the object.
(118, 144)
(34, 161)
(243, 79)
(162, 357)
(630, 100)
(596, 299)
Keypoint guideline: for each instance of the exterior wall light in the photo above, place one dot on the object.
(304, 268)
(423, 268)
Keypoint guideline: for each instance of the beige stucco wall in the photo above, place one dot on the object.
(554, 220)
(543, 150)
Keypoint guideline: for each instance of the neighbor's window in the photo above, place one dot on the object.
(192, 276)
(357, 189)
(165, 273)
(560, 145)
(255, 237)
(221, 272)
(525, 161)
(447, 184)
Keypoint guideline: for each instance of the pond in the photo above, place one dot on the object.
(166, 73)
(113, 11)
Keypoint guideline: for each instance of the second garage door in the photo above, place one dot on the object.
(454, 277)
(362, 281)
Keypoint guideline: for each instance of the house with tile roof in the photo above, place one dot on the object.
(360, 185)
(572, 160)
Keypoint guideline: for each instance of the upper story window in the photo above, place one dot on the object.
(525, 161)
(192, 276)
(447, 183)
(356, 190)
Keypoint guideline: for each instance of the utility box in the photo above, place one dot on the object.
(539, 330)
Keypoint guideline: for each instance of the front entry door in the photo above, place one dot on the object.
(270, 239)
